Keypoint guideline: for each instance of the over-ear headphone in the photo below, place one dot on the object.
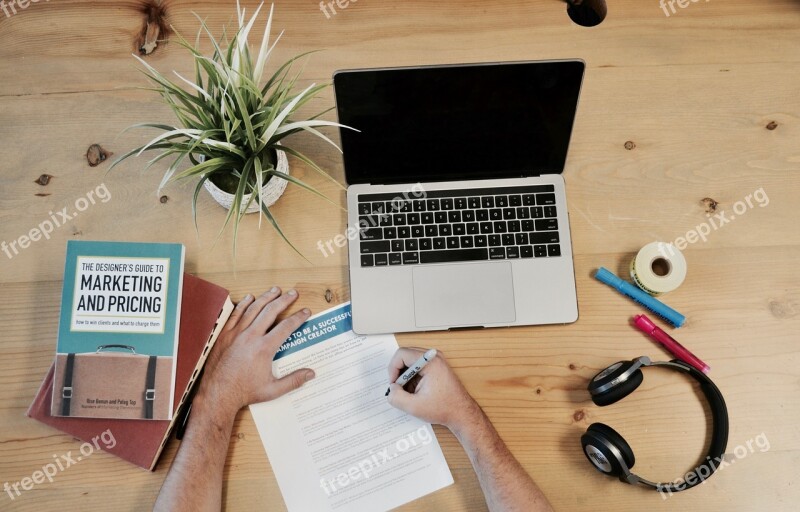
(612, 455)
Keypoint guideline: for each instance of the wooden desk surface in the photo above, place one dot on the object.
(701, 104)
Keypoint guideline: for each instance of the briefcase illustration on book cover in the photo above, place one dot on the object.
(114, 381)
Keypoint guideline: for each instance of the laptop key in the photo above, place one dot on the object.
(426, 218)
(523, 213)
(460, 203)
(547, 237)
(486, 228)
(554, 250)
(459, 229)
(473, 228)
(514, 226)
(455, 255)
(418, 231)
(389, 233)
(545, 199)
(466, 242)
(453, 217)
(412, 218)
(399, 219)
(433, 205)
(482, 215)
(500, 227)
(550, 211)
(546, 225)
(397, 246)
(425, 244)
(452, 242)
(481, 241)
(372, 234)
(496, 214)
(521, 239)
(508, 239)
(431, 230)
(381, 260)
(487, 202)
(536, 212)
(512, 252)
(474, 202)
(367, 260)
(373, 247)
(526, 251)
(494, 241)
(418, 205)
(395, 258)
(501, 201)
(403, 232)
(440, 217)
(445, 230)
(439, 243)
(528, 200)
(385, 220)
(515, 200)
(527, 225)
(497, 253)
(364, 208)
(412, 245)
(410, 258)
(447, 203)
(468, 216)
(540, 251)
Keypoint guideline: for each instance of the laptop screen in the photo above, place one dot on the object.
(444, 123)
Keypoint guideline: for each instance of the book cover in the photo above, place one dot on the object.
(205, 307)
(118, 330)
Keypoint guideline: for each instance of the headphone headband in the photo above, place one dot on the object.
(622, 377)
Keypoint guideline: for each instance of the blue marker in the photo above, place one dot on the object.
(656, 306)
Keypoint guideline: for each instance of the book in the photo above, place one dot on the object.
(204, 310)
(118, 330)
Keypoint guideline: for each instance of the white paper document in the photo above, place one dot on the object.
(336, 444)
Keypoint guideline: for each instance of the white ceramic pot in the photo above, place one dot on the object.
(272, 190)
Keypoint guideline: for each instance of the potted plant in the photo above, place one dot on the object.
(232, 128)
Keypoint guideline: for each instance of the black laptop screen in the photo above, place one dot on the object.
(457, 122)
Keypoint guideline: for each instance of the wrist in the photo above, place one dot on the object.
(213, 403)
(470, 419)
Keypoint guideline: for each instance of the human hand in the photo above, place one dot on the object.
(239, 368)
(436, 394)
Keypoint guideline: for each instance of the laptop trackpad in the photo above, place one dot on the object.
(464, 295)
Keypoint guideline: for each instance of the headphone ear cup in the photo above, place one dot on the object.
(619, 391)
(617, 440)
(596, 449)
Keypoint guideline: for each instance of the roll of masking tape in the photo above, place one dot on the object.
(658, 268)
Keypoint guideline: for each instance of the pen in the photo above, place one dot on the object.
(645, 325)
(646, 300)
(414, 369)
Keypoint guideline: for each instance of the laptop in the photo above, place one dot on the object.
(454, 183)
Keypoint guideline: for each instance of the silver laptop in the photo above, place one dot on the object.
(454, 183)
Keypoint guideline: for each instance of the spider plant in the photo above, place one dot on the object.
(230, 125)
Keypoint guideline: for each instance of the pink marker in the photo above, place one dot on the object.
(645, 325)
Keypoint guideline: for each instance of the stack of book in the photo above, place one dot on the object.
(134, 333)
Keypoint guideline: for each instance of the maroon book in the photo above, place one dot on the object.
(205, 307)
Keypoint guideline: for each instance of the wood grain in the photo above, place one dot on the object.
(701, 104)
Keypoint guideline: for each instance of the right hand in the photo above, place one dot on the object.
(439, 396)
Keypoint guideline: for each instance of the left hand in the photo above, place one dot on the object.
(239, 368)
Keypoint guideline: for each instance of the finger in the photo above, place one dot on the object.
(401, 399)
(402, 359)
(292, 381)
(238, 312)
(257, 305)
(267, 316)
(285, 328)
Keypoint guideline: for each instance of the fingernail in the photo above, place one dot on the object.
(310, 376)
(292, 292)
(306, 311)
(274, 289)
(247, 297)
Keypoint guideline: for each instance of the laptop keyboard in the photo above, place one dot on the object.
(459, 225)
